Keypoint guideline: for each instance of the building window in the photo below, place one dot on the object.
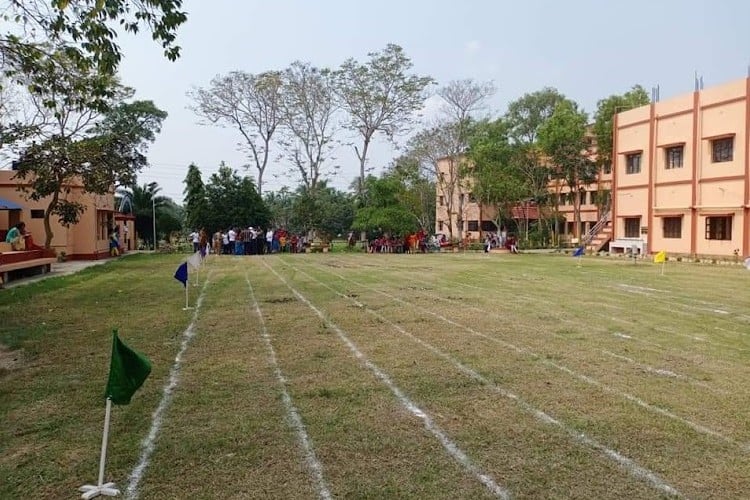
(607, 169)
(37, 214)
(442, 200)
(632, 227)
(473, 225)
(633, 163)
(719, 228)
(673, 157)
(488, 225)
(570, 198)
(440, 225)
(583, 199)
(672, 227)
(722, 150)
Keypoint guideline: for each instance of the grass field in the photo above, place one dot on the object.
(384, 376)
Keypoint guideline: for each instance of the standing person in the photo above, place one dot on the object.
(269, 240)
(225, 243)
(114, 244)
(232, 236)
(203, 242)
(195, 237)
(487, 243)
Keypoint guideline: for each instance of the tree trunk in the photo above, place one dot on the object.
(48, 235)
(362, 162)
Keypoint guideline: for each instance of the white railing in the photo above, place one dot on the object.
(588, 237)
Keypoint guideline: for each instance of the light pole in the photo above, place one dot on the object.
(153, 217)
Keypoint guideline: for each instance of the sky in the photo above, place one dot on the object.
(587, 49)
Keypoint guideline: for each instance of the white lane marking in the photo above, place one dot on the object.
(148, 444)
(452, 449)
(702, 429)
(628, 464)
(311, 460)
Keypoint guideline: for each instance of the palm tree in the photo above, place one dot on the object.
(144, 202)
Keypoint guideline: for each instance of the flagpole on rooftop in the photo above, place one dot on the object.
(101, 488)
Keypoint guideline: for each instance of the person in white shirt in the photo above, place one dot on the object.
(225, 243)
(269, 240)
(232, 235)
(195, 237)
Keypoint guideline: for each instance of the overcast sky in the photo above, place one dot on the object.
(588, 49)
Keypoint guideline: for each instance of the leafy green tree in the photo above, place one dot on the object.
(326, 212)
(281, 207)
(384, 212)
(528, 113)
(494, 169)
(525, 116)
(196, 205)
(379, 95)
(606, 109)
(562, 138)
(77, 143)
(418, 191)
(145, 202)
(169, 219)
(233, 201)
(83, 31)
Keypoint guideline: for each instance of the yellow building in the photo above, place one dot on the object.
(89, 239)
(682, 174)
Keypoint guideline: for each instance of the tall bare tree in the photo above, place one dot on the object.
(308, 113)
(462, 99)
(251, 104)
(437, 147)
(379, 95)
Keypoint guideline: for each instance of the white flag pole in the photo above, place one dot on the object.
(187, 291)
(663, 265)
(102, 488)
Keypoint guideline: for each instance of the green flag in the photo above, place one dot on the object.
(127, 372)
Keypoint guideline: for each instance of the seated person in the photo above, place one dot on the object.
(16, 237)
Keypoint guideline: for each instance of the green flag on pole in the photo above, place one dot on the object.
(127, 372)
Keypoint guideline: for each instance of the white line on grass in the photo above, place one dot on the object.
(700, 339)
(433, 428)
(311, 460)
(603, 316)
(665, 373)
(647, 368)
(702, 429)
(148, 444)
(626, 463)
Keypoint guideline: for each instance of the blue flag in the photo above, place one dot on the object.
(579, 252)
(182, 273)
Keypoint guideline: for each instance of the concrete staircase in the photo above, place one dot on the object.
(599, 235)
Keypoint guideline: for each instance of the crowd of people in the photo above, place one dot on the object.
(257, 241)
(248, 241)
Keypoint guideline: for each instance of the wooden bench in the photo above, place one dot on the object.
(37, 266)
(317, 246)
